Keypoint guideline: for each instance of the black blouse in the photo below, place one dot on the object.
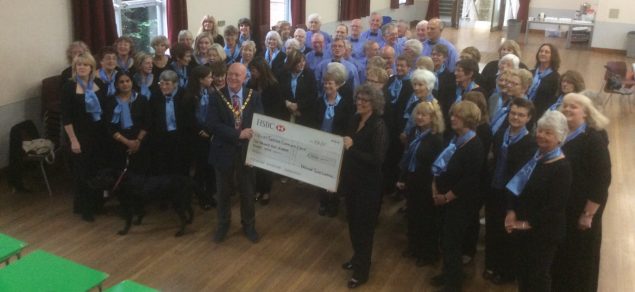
(463, 174)
(74, 109)
(517, 154)
(546, 93)
(305, 93)
(139, 110)
(343, 113)
(429, 148)
(364, 159)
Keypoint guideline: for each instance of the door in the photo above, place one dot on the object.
(498, 15)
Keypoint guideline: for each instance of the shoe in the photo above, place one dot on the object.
(251, 234)
(488, 275)
(258, 196)
(347, 266)
(332, 211)
(264, 199)
(221, 233)
(354, 283)
(322, 209)
(88, 217)
(402, 210)
(284, 180)
(408, 253)
(438, 280)
(206, 206)
(499, 279)
(466, 259)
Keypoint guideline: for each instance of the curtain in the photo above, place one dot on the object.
(351, 9)
(433, 9)
(177, 18)
(394, 4)
(523, 13)
(410, 2)
(94, 23)
(298, 12)
(260, 22)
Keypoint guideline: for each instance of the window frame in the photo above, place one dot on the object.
(161, 9)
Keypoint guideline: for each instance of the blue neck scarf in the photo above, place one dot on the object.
(90, 99)
(501, 161)
(144, 84)
(294, 82)
(441, 164)
(459, 91)
(581, 129)
(438, 73)
(232, 57)
(109, 81)
(329, 114)
(409, 160)
(499, 117)
(170, 115)
(536, 82)
(269, 56)
(410, 106)
(395, 87)
(554, 107)
(201, 114)
(123, 64)
(181, 71)
(517, 184)
(121, 114)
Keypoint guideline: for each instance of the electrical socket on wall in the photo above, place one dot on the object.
(221, 23)
(614, 13)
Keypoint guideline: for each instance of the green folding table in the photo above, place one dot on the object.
(42, 271)
(130, 286)
(9, 247)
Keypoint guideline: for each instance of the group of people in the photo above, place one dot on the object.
(418, 118)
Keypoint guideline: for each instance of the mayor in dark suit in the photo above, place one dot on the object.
(229, 120)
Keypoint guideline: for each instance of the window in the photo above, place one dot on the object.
(279, 10)
(141, 20)
(402, 2)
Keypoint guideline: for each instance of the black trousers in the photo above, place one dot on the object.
(264, 181)
(498, 244)
(576, 266)
(246, 181)
(534, 259)
(362, 206)
(203, 172)
(456, 218)
(423, 223)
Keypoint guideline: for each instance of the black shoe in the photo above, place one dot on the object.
(499, 279)
(221, 233)
(408, 253)
(488, 275)
(332, 212)
(258, 196)
(322, 209)
(422, 262)
(438, 280)
(251, 234)
(354, 283)
(402, 210)
(88, 217)
(347, 266)
(206, 206)
(264, 199)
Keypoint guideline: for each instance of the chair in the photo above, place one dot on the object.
(10, 247)
(616, 83)
(24, 131)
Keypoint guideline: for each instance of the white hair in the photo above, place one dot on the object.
(422, 23)
(556, 121)
(511, 58)
(292, 43)
(422, 75)
(275, 35)
(414, 44)
(315, 17)
(337, 71)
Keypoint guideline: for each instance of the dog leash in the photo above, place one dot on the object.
(123, 173)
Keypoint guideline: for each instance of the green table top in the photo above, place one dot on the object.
(130, 286)
(42, 271)
(9, 246)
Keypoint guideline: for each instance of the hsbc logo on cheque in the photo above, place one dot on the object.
(270, 125)
(280, 128)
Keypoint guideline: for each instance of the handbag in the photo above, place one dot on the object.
(40, 147)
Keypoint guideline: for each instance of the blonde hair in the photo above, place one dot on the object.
(214, 31)
(219, 50)
(434, 110)
(594, 118)
(425, 62)
(468, 112)
(84, 58)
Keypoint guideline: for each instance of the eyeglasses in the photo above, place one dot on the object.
(363, 100)
(373, 81)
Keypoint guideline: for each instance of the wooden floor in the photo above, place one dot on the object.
(299, 250)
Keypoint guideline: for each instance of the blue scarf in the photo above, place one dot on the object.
(441, 164)
(123, 65)
(272, 57)
(109, 81)
(581, 129)
(536, 82)
(90, 99)
(182, 73)
(517, 184)
(554, 107)
(201, 114)
(410, 106)
(395, 88)
(438, 73)
(329, 113)
(294, 82)
(459, 91)
(232, 58)
(409, 160)
(144, 85)
(121, 114)
(170, 115)
(499, 117)
(501, 161)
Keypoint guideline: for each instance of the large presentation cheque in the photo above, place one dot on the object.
(298, 152)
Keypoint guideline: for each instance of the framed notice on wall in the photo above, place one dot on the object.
(295, 151)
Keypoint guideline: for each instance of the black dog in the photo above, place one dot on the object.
(135, 191)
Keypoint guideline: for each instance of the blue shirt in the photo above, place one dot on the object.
(358, 47)
(309, 35)
(368, 36)
(314, 61)
(453, 55)
(170, 115)
(351, 70)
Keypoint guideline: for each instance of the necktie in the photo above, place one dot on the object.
(237, 113)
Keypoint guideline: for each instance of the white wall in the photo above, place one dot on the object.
(35, 35)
